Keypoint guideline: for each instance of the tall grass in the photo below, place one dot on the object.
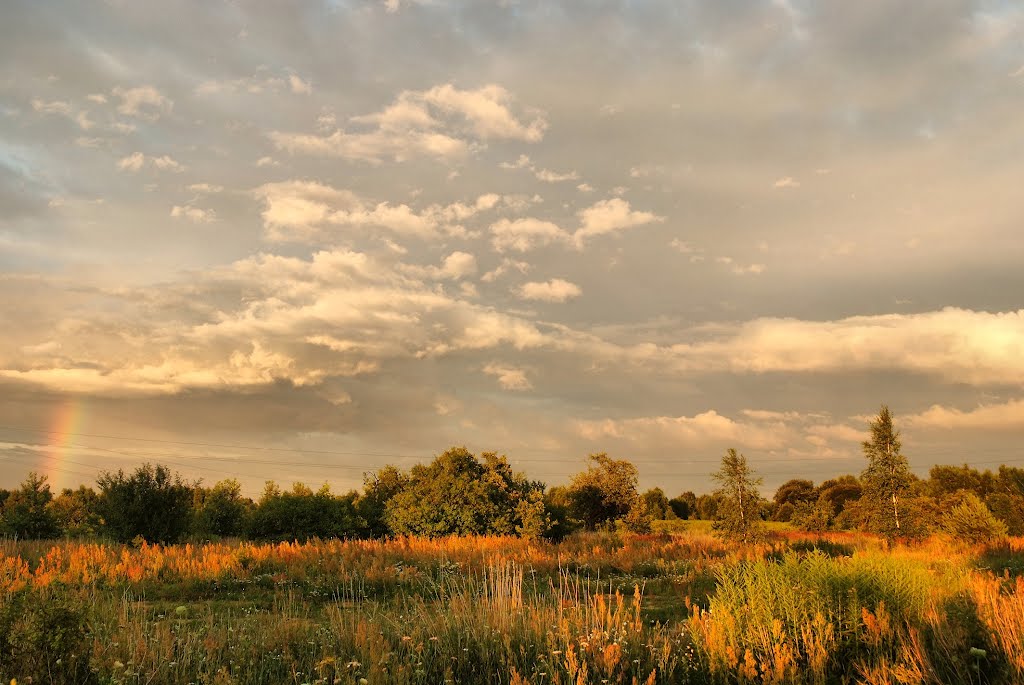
(595, 609)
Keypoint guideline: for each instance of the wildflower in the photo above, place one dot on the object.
(118, 665)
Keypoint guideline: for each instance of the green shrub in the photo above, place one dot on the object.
(44, 639)
(970, 521)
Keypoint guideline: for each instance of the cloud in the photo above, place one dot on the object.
(56, 107)
(786, 182)
(506, 266)
(1003, 416)
(206, 188)
(303, 211)
(193, 214)
(740, 269)
(701, 430)
(555, 290)
(955, 345)
(166, 163)
(509, 378)
(443, 122)
(135, 161)
(523, 235)
(610, 216)
(545, 175)
(145, 102)
(299, 86)
(263, 81)
(132, 162)
(455, 266)
(549, 176)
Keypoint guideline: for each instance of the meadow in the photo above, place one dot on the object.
(680, 607)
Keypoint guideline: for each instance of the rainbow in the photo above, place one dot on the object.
(65, 423)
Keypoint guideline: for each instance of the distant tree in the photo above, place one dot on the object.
(378, 489)
(970, 521)
(707, 506)
(221, 510)
(77, 511)
(684, 506)
(152, 503)
(301, 514)
(458, 494)
(655, 504)
(945, 480)
(737, 517)
(26, 513)
(1009, 509)
(558, 504)
(604, 493)
(795, 491)
(887, 478)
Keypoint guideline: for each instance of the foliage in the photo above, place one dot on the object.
(737, 517)
(795, 491)
(655, 504)
(970, 521)
(378, 489)
(604, 493)
(26, 513)
(301, 514)
(221, 510)
(43, 638)
(152, 504)
(684, 506)
(887, 479)
(77, 512)
(458, 494)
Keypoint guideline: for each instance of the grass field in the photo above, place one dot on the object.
(600, 608)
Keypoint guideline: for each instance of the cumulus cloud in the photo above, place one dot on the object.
(338, 314)
(956, 345)
(304, 211)
(523, 235)
(999, 416)
(700, 430)
(136, 161)
(610, 216)
(193, 214)
(454, 267)
(263, 81)
(443, 122)
(55, 107)
(555, 290)
(510, 378)
(145, 102)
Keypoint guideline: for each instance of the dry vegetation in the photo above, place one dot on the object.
(596, 608)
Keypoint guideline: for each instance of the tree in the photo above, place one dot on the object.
(221, 510)
(970, 521)
(301, 514)
(77, 511)
(153, 503)
(739, 499)
(887, 477)
(25, 511)
(458, 494)
(378, 489)
(655, 504)
(685, 505)
(604, 493)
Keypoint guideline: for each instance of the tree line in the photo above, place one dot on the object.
(460, 493)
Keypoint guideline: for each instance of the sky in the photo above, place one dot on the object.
(296, 241)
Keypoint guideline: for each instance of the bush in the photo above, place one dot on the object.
(970, 521)
(43, 638)
(152, 503)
